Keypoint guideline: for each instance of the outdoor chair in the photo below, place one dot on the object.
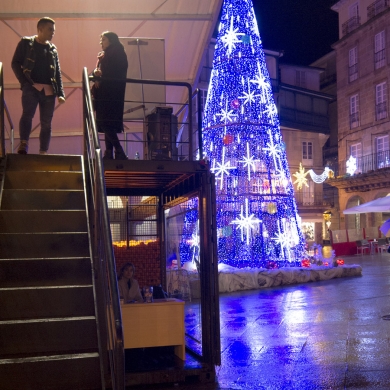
(382, 245)
(362, 245)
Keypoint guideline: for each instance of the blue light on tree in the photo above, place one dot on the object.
(257, 215)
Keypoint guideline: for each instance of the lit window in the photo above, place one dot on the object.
(381, 101)
(307, 150)
(380, 50)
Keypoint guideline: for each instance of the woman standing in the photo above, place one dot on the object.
(109, 95)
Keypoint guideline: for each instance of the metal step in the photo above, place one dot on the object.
(42, 221)
(48, 328)
(36, 180)
(42, 200)
(54, 335)
(43, 245)
(79, 371)
(45, 272)
(35, 162)
(50, 301)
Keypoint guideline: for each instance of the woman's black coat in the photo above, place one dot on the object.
(109, 96)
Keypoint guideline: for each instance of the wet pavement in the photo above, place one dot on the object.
(322, 335)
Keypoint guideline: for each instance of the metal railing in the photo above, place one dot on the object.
(145, 116)
(368, 163)
(350, 25)
(313, 198)
(377, 7)
(106, 290)
(2, 137)
(4, 113)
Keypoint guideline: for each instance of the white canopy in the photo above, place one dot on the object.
(185, 26)
(380, 205)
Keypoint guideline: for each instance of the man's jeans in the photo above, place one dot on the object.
(30, 100)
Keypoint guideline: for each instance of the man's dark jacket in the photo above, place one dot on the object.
(23, 63)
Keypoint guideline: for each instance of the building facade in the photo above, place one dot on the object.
(363, 70)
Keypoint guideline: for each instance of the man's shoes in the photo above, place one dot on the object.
(42, 152)
(23, 147)
(108, 155)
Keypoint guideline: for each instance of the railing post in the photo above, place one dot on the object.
(2, 136)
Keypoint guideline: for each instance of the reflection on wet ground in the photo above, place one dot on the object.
(322, 335)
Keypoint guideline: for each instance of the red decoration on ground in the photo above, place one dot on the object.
(305, 263)
(340, 261)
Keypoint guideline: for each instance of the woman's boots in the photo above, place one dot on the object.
(119, 154)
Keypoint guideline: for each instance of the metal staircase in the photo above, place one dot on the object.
(48, 321)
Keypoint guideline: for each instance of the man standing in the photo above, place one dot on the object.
(37, 67)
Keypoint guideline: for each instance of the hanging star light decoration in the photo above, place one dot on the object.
(351, 165)
(249, 161)
(226, 115)
(249, 97)
(301, 177)
(246, 221)
(274, 150)
(282, 238)
(222, 168)
(231, 38)
(262, 83)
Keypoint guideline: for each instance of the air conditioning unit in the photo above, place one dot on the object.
(160, 132)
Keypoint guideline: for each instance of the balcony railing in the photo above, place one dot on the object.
(368, 163)
(377, 7)
(381, 111)
(305, 118)
(350, 25)
(310, 199)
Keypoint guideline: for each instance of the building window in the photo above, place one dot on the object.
(300, 78)
(354, 111)
(307, 150)
(382, 150)
(377, 7)
(356, 151)
(381, 101)
(353, 21)
(380, 50)
(353, 64)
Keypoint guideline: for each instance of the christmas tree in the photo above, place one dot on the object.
(258, 224)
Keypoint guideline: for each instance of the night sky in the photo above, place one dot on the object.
(303, 29)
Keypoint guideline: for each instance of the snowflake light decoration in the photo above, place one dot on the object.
(301, 177)
(351, 165)
(246, 221)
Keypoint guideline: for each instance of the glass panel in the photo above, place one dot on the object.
(182, 266)
(339, 236)
(355, 234)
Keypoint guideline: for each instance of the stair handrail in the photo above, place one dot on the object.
(2, 137)
(102, 249)
(11, 126)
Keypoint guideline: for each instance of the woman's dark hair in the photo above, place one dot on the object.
(124, 268)
(112, 37)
